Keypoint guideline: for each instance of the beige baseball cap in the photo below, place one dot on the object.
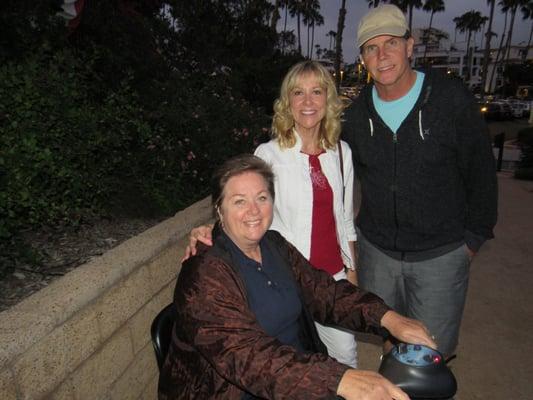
(386, 19)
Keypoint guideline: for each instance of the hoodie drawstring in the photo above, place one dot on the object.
(420, 131)
(371, 126)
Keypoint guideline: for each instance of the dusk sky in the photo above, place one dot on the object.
(443, 21)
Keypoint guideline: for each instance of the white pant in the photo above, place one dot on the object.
(341, 344)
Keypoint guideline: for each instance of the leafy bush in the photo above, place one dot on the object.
(71, 147)
(126, 114)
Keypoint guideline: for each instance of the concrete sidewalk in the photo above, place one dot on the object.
(495, 354)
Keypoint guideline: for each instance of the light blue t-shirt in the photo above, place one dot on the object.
(394, 112)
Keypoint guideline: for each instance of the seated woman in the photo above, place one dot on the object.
(245, 310)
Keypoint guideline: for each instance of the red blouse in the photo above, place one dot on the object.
(325, 249)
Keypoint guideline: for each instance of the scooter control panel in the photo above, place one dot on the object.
(416, 355)
(420, 371)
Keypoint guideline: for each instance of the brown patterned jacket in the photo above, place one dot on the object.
(218, 349)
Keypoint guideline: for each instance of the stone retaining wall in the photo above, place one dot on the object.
(87, 335)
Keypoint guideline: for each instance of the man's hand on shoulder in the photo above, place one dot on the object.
(199, 234)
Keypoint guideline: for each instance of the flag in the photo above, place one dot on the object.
(71, 11)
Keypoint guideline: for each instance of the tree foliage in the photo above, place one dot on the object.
(130, 112)
(338, 43)
(469, 22)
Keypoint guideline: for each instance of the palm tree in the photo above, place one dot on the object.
(287, 39)
(469, 22)
(332, 35)
(501, 46)
(275, 14)
(432, 6)
(285, 4)
(527, 13)
(506, 6)
(338, 43)
(318, 21)
(276, 17)
(483, 22)
(408, 6)
(296, 9)
(486, 53)
(485, 19)
(512, 6)
(459, 22)
(318, 51)
(308, 21)
(311, 17)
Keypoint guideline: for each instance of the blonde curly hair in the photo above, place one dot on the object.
(283, 121)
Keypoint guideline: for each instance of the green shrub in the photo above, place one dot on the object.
(71, 147)
(58, 147)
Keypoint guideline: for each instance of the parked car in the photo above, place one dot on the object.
(515, 109)
(520, 108)
(490, 111)
(527, 108)
(496, 110)
(506, 112)
(349, 91)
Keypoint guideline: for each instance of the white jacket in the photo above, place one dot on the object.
(293, 204)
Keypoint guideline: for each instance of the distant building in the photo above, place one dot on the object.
(330, 66)
(451, 57)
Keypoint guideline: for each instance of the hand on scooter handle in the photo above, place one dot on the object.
(407, 329)
(358, 384)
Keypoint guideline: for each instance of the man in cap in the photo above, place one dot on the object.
(428, 184)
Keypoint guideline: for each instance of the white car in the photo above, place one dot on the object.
(526, 108)
(520, 108)
(349, 91)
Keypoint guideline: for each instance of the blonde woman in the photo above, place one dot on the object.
(313, 209)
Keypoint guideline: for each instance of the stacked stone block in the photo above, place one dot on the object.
(87, 335)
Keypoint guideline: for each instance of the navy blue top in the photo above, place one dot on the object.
(272, 293)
